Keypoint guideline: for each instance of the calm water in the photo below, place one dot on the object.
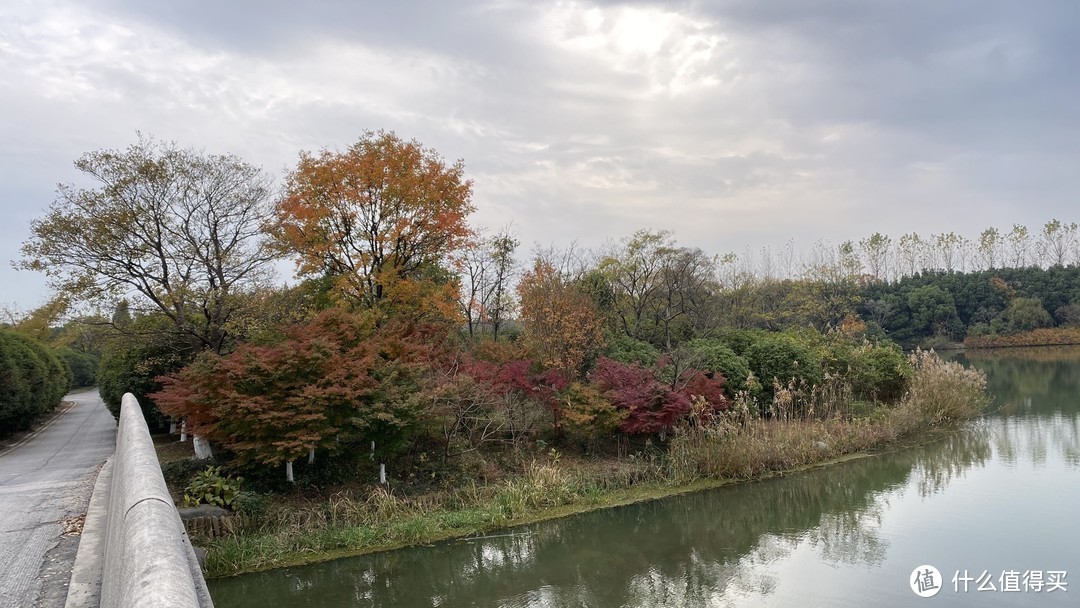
(1001, 497)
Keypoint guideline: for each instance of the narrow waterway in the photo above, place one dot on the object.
(996, 504)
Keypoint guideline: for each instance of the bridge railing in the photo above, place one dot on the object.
(149, 560)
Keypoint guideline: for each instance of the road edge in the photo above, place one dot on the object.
(84, 591)
(42, 425)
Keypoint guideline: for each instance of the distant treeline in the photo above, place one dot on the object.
(954, 305)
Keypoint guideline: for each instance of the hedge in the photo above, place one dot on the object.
(33, 380)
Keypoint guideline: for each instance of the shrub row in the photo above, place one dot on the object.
(33, 380)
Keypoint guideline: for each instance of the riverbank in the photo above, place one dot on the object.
(701, 456)
(1050, 336)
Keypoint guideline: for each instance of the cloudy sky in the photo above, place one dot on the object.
(736, 123)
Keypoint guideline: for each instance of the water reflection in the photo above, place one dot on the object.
(718, 548)
(687, 550)
(1036, 392)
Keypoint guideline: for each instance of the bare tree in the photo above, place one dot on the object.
(1056, 241)
(988, 250)
(876, 249)
(1019, 246)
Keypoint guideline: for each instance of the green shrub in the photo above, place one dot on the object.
(251, 504)
(874, 371)
(780, 358)
(212, 488)
(32, 381)
(740, 340)
(1026, 314)
(131, 364)
(83, 367)
(624, 349)
(884, 374)
(179, 473)
(718, 357)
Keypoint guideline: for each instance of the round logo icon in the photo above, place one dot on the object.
(925, 581)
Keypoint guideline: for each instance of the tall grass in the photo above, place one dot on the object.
(941, 392)
(811, 425)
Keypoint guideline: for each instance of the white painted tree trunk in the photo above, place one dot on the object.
(183, 430)
(382, 474)
(311, 456)
(288, 472)
(202, 448)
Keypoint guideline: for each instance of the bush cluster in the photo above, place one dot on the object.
(133, 366)
(33, 380)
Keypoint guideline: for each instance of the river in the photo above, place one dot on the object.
(994, 505)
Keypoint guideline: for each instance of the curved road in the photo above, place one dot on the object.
(45, 480)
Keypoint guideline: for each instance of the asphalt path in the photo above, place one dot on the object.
(45, 483)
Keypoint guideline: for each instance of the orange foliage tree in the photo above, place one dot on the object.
(383, 214)
(562, 327)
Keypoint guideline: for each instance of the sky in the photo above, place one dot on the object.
(736, 124)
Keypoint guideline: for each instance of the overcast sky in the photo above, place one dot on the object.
(732, 123)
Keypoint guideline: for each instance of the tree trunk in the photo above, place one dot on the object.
(288, 472)
(202, 448)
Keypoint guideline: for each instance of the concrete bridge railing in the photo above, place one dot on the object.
(148, 559)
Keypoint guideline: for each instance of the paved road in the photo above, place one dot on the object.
(44, 481)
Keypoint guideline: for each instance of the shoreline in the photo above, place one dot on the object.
(638, 493)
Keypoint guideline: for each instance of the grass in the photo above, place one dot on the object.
(702, 455)
(170, 450)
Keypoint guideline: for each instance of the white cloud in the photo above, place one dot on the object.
(735, 124)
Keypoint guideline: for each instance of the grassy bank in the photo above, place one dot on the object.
(703, 454)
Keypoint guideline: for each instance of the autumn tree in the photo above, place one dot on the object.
(478, 401)
(174, 230)
(332, 384)
(374, 216)
(562, 326)
(649, 405)
(635, 275)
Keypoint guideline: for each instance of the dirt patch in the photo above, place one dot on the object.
(73, 526)
(55, 572)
